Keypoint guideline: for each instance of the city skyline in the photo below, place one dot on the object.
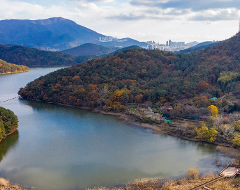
(158, 20)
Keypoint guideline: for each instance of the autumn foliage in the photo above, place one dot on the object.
(139, 76)
(8, 122)
(11, 68)
(213, 109)
(206, 134)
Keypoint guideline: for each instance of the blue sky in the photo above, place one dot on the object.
(159, 20)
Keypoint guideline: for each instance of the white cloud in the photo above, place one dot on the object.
(23, 10)
(188, 4)
(140, 19)
(101, 1)
(217, 14)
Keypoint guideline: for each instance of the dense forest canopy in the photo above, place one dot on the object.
(138, 75)
(11, 68)
(8, 122)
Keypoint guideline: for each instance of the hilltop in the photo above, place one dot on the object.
(54, 34)
(126, 48)
(90, 49)
(7, 68)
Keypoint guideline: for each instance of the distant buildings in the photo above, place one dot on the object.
(175, 44)
(154, 45)
(106, 39)
(169, 46)
(110, 39)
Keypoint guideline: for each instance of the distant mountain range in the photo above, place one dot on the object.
(32, 57)
(91, 50)
(55, 34)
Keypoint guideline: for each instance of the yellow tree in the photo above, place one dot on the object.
(213, 109)
(206, 134)
(236, 125)
(236, 140)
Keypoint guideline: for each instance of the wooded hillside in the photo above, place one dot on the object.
(6, 68)
(8, 122)
(137, 76)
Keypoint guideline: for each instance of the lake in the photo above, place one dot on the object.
(63, 148)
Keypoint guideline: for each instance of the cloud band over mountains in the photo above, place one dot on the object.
(199, 10)
(197, 5)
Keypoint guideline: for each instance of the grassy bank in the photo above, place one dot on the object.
(157, 184)
(184, 184)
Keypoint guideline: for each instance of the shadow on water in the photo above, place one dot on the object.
(41, 106)
(7, 144)
(206, 148)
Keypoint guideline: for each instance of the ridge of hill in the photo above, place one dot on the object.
(54, 34)
(21, 55)
(126, 48)
(90, 49)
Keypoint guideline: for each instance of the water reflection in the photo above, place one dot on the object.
(206, 148)
(40, 106)
(7, 144)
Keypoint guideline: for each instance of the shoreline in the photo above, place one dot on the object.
(162, 128)
(224, 148)
(13, 131)
(9, 73)
(155, 128)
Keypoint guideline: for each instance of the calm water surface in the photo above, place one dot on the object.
(58, 148)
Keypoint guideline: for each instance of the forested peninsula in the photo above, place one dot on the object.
(8, 123)
(200, 87)
(7, 68)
